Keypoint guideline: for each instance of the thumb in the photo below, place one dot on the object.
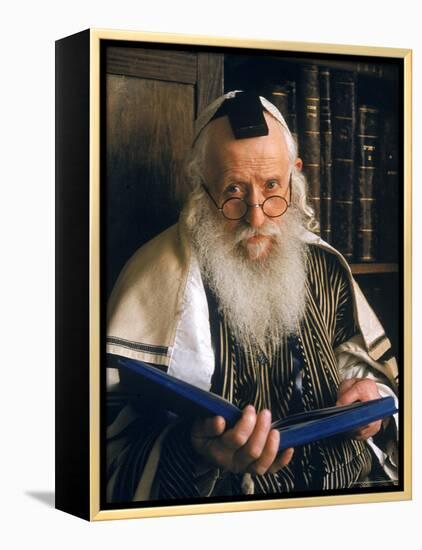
(344, 386)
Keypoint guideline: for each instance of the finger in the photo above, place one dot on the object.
(346, 392)
(282, 460)
(208, 427)
(367, 431)
(238, 436)
(268, 455)
(345, 385)
(361, 390)
(347, 398)
(252, 450)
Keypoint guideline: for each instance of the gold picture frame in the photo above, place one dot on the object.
(80, 213)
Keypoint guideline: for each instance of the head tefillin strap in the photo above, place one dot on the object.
(245, 113)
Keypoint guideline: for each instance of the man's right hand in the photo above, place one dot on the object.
(250, 446)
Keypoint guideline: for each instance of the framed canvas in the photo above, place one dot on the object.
(149, 129)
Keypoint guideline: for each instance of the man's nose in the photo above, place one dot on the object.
(255, 215)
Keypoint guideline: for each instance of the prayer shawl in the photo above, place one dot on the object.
(158, 313)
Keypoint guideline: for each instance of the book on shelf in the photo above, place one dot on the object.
(326, 154)
(309, 133)
(348, 142)
(368, 136)
(163, 391)
(388, 207)
(283, 96)
(344, 132)
(278, 94)
(292, 115)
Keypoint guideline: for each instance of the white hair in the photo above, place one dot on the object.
(195, 164)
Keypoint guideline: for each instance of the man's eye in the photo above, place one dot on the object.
(233, 189)
(272, 184)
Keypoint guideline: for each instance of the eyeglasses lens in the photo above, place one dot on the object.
(273, 207)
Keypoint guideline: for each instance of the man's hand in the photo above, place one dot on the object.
(359, 389)
(250, 446)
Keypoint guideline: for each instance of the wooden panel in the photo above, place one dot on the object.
(359, 269)
(210, 78)
(167, 65)
(149, 128)
(384, 294)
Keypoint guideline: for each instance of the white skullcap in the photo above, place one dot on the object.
(207, 114)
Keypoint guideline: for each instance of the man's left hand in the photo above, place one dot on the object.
(359, 389)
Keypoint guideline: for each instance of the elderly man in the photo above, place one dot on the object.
(223, 300)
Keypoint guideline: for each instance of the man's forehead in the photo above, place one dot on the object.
(221, 140)
(262, 156)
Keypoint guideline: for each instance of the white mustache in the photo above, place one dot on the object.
(267, 230)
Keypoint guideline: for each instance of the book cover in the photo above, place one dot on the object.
(188, 401)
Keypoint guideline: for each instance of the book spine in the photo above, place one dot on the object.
(344, 127)
(292, 109)
(326, 154)
(310, 135)
(283, 96)
(368, 156)
(279, 96)
(387, 195)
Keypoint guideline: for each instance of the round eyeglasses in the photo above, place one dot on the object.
(236, 208)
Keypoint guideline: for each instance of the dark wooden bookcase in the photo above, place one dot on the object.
(379, 83)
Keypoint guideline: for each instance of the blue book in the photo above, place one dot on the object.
(187, 400)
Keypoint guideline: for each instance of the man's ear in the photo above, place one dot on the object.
(299, 164)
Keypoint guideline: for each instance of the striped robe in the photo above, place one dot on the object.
(266, 380)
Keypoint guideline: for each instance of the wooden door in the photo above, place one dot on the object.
(152, 97)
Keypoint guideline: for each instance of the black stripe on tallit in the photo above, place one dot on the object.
(137, 346)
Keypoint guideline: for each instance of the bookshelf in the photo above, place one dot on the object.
(365, 269)
(344, 114)
(352, 162)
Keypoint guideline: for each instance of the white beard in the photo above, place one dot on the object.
(262, 300)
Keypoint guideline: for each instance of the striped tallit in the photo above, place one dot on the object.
(265, 379)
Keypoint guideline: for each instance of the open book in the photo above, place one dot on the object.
(188, 401)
